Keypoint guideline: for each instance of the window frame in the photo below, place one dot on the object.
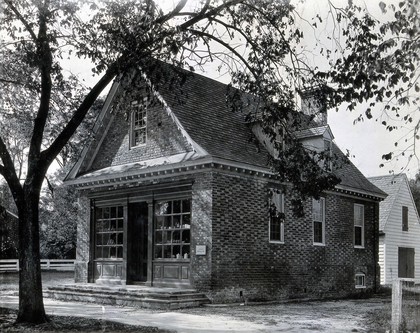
(362, 245)
(404, 212)
(363, 284)
(172, 230)
(138, 106)
(322, 203)
(109, 232)
(281, 220)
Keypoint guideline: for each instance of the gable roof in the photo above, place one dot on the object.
(392, 185)
(205, 116)
(352, 178)
(215, 133)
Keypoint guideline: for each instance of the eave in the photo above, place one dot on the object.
(347, 190)
(125, 178)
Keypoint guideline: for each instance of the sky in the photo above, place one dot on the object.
(366, 141)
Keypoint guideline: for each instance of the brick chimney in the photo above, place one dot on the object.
(313, 103)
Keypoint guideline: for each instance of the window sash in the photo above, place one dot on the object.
(276, 224)
(359, 225)
(139, 123)
(405, 218)
(318, 224)
(360, 281)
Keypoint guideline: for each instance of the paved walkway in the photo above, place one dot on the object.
(180, 322)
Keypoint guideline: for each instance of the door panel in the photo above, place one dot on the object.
(405, 262)
(137, 242)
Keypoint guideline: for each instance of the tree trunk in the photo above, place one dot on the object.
(31, 304)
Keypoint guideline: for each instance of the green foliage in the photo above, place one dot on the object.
(58, 219)
(379, 67)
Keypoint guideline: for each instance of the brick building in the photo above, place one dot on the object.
(174, 192)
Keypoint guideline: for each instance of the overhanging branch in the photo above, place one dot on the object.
(51, 153)
(22, 19)
(7, 170)
(227, 46)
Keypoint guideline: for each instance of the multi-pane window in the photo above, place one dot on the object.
(318, 218)
(405, 218)
(360, 280)
(109, 229)
(276, 216)
(138, 122)
(172, 229)
(359, 225)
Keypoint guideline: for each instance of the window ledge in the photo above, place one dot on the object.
(359, 247)
(318, 244)
(138, 146)
(360, 287)
(276, 242)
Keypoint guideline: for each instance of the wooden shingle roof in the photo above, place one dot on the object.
(206, 117)
(201, 112)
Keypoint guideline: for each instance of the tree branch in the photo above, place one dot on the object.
(7, 170)
(11, 82)
(170, 15)
(22, 19)
(203, 14)
(226, 45)
(45, 64)
(51, 153)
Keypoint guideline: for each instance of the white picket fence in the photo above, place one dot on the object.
(12, 265)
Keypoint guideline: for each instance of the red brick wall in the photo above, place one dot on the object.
(244, 261)
(229, 217)
(163, 139)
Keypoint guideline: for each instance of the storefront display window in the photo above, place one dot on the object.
(172, 229)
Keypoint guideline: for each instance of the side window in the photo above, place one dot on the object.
(405, 218)
(360, 280)
(138, 127)
(318, 218)
(359, 225)
(276, 210)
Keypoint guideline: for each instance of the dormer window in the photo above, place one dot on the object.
(138, 123)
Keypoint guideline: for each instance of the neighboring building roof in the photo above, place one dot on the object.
(392, 185)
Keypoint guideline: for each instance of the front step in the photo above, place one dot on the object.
(143, 297)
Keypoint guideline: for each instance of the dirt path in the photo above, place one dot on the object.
(322, 316)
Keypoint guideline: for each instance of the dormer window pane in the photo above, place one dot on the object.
(139, 123)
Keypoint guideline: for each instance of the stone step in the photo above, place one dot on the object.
(154, 298)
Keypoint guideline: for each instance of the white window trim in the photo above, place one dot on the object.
(360, 286)
(281, 241)
(322, 199)
(363, 227)
(134, 108)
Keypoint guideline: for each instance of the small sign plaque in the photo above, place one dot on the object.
(200, 250)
